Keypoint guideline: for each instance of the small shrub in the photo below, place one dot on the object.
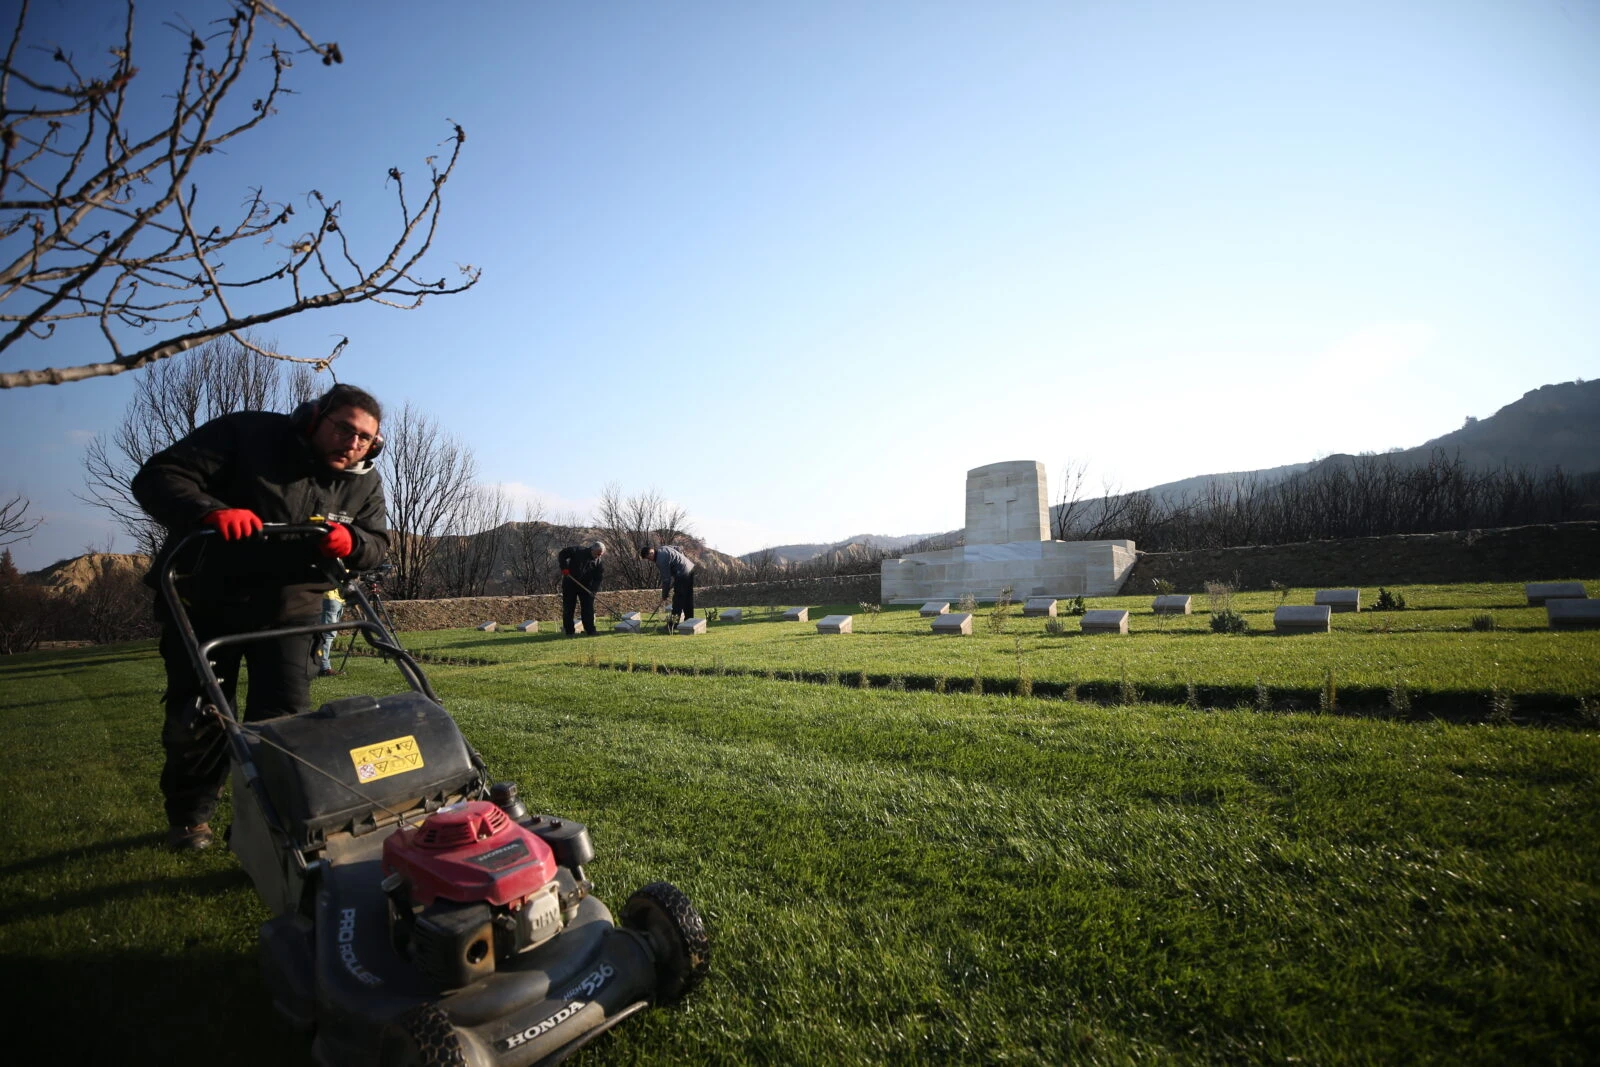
(654, 667)
(1282, 590)
(968, 602)
(628, 667)
(977, 684)
(1589, 711)
(712, 614)
(1072, 692)
(1191, 696)
(1400, 697)
(941, 684)
(1228, 621)
(1485, 621)
(1075, 606)
(1388, 601)
(1127, 692)
(1220, 596)
(1501, 707)
(897, 683)
(1263, 697)
(1054, 626)
(1328, 699)
(1000, 614)
(1162, 587)
(870, 609)
(831, 678)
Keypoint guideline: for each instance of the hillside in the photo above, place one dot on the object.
(849, 547)
(76, 574)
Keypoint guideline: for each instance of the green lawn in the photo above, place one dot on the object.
(1446, 666)
(904, 876)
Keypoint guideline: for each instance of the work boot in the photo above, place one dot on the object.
(189, 838)
(329, 672)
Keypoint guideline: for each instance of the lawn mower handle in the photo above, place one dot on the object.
(200, 653)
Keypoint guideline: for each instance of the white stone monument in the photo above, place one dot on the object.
(1008, 545)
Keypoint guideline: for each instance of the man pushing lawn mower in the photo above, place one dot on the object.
(231, 475)
(419, 916)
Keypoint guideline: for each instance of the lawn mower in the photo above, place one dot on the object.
(421, 916)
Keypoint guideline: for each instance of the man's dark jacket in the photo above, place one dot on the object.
(586, 570)
(261, 461)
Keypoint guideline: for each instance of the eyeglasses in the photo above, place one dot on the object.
(344, 431)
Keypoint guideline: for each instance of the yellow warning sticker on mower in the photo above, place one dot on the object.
(386, 758)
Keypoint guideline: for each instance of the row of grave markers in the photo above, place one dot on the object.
(1567, 607)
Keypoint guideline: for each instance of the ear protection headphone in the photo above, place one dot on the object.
(308, 415)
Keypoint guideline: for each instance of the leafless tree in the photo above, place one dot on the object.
(625, 523)
(108, 216)
(532, 550)
(1070, 503)
(15, 522)
(430, 478)
(469, 556)
(172, 399)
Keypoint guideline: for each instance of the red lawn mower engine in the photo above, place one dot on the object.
(469, 887)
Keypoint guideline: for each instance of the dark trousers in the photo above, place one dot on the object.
(572, 594)
(196, 765)
(683, 596)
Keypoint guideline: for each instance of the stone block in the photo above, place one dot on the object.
(835, 624)
(690, 627)
(1007, 502)
(1572, 613)
(935, 607)
(731, 615)
(1303, 619)
(531, 626)
(1172, 604)
(958, 622)
(1105, 621)
(797, 615)
(1039, 605)
(628, 626)
(489, 627)
(633, 616)
(1341, 600)
(1539, 592)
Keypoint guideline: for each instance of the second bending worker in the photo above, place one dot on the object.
(677, 577)
(581, 575)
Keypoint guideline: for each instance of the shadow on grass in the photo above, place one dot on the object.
(152, 696)
(69, 855)
(207, 884)
(186, 1007)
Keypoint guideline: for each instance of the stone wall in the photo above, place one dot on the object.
(849, 589)
(1510, 554)
(508, 610)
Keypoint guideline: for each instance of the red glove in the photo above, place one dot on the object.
(234, 524)
(565, 572)
(337, 542)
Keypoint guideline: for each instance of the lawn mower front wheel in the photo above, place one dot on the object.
(422, 1037)
(664, 915)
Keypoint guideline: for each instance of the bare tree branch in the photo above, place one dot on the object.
(15, 523)
(100, 222)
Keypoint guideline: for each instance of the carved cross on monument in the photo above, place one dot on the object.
(1002, 496)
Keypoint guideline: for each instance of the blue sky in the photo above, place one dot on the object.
(799, 266)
